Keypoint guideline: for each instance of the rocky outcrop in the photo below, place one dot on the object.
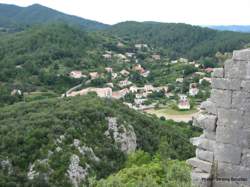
(125, 137)
(223, 150)
(85, 151)
(33, 173)
(6, 165)
(76, 173)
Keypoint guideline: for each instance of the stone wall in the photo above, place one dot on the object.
(223, 150)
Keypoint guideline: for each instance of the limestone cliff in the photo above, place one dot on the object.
(223, 150)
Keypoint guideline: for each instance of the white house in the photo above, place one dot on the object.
(110, 84)
(156, 57)
(124, 83)
(16, 92)
(76, 74)
(120, 56)
(130, 55)
(193, 90)
(183, 60)
(183, 102)
(109, 69)
(146, 73)
(139, 46)
(120, 44)
(124, 72)
(107, 56)
(179, 80)
(133, 89)
(139, 102)
(148, 87)
(94, 75)
(114, 75)
(174, 61)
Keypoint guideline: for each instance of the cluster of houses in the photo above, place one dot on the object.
(126, 86)
(123, 83)
(141, 93)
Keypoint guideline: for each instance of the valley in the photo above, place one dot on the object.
(84, 103)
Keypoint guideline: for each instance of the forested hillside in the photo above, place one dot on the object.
(52, 136)
(181, 39)
(41, 56)
(38, 139)
(12, 17)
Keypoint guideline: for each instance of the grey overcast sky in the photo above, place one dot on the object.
(196, 12)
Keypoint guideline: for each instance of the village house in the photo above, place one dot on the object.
(209, 70)
(121, 56)
(160, 88)
(101, 92)
(133, 89)
(19, 66)
(114, 75)
(193, 90)
(174, 61)
(124, 72)
(139, 68)
(156, 57)
(145, 74)
(109, 69)
(16, 92)
(140, 46)
(110, 84)
(76, 74)
(197, 65)
(183, 102)
(180, 80)
(139, 102)
(148, 87)
(94, 75)
(120, 94)
(191, 63)
(183, 60)
(124, 83)
(107, 56)
(120, 44)
(130, 55)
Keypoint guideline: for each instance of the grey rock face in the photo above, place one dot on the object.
(223, 150)
(76, 173)
(123, 136)
(218, 73)
(7, 166)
